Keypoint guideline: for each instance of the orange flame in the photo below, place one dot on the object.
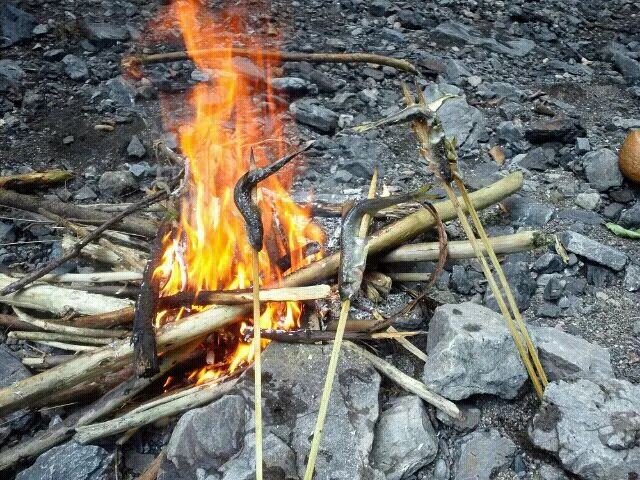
(235, 112)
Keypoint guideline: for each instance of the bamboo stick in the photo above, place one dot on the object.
(405, 381)
(170, 336)
(462, 249)
(276, 55)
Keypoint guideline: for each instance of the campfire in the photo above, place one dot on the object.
(212, 262)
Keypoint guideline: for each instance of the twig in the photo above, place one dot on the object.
(410, 347)
(136, 61)
(40, 337)
(151, 473)
(313, 336)
(48, 361)
(97, 277)
(116, 318)
(408, 383)
(67, 346)
(54, 327)
(26, 280)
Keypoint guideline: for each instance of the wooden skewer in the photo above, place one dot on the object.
(335, 353)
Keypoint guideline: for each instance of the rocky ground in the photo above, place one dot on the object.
(556, 84)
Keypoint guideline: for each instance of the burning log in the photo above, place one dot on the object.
(22, 180)
(171, 336)
(134, 62)
(135, 225)
(59, 300)
(462, 249)
(30, 278)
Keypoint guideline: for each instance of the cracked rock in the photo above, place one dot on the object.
(70, 461)
(601, 169)
(309, 113)
(483, 455)
(592, 427)
(594, 251)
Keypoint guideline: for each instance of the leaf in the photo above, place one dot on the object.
(560, 250)
(623, 232)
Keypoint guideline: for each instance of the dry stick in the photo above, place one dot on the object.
(24, 281)
(70, 347)
(154, 410)
(116, 318)
(462, 249)
(108, 403)
(47, 361)
(314, 336)
(408, 383)
(503, 279)
(79, 332)
(40, 337)
(35, 178)
(422, 132)
(24, 392)
(136, 225)
(136, 61)
(151, 473)
(335, 350)
(97, 277)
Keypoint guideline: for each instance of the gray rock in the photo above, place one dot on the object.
(538, 159)
(588, 200)
(549, 263)
(549, 310)
(53, 55)
(625, 123)
(306, 111)
(208, 437)
(404, 438)
(549, 472)
(379, 8)
(522, 285)
(553, 289)
(612, 211)
(470, 351)
(483, 454)
(594, 251)
(630, 218)
(121, 92)
(70, 461)
(136, 148)
(359, 155)
(562, 129)
(393, 35)
(11, 70)
(85, 193)
(114, 184)
(471, 418)
(632, 278)
(292, 85)
(629, 67)
(11, 371)
(566, 356)
(459, 119)
(591, 427)
(104, 34)
(15, 25)
(75, 68)
(601, 169)
(582, 145)
(249, 69)
(219, 439)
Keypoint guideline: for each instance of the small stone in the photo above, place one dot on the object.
(291, 85)
(11, 70)
(553, 290)
(40, 29)
(549, 310)
(582, 145)
(115, 184)
(15, 25)
(630, 218)
(393, 35)
(601, 169)
(520, 282)
(471, 418)
(75, 67)
(474, 80)
(525, 212)
(309, 113)
(632, 278)
(600, 277)
(70, 461)
(380, 8)
(342, 176)
(85, 193)
(563, 130)
(539, 159)
(404, 439)
(612, 211)
(53, 55)
(549, 263)
(121, 92)
(200, 75)
(588, 201)
(136, 148)
(483, 454)
(594, 251)
(68, 140)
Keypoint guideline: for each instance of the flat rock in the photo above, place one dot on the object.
(526, 212)
(594, 251)
(70, 461)
(566, 356)
(483, 454)
(563, 130)
(104, 34)
(592, 427)
(15, 25)
(310, 113)
(219, 439)
(11, 70)
(601, 169)
(470, 351)
(404, 438)
(630, 218)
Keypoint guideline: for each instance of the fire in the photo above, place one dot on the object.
(234, 113)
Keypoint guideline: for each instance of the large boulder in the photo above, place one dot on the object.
(592, 427)
(219, 439)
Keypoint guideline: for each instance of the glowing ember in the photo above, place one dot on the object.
(234, 112)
